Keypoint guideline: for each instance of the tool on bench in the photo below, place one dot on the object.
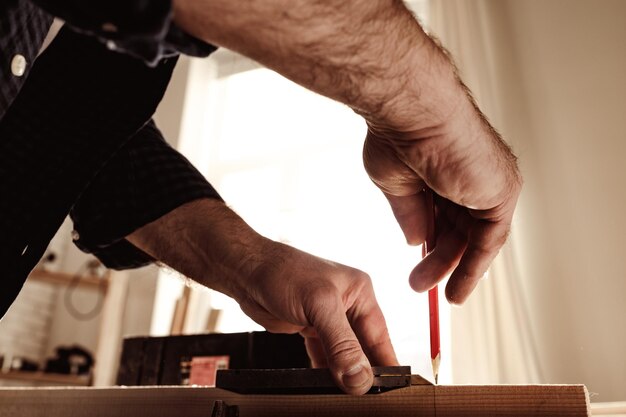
(433, 293)
(304, 381)
(221, 409)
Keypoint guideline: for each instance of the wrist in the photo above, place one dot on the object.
(207, 242)
(429, 93)
(230, 249)
(371, 55)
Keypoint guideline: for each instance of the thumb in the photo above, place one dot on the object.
(346, 360)
(410, 211)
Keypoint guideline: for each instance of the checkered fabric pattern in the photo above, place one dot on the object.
(145, 180)
(23, 28)
(140, 28)
(81, 108)
(65, 122)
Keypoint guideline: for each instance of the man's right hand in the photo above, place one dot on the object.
(425, 131)
(474, 175)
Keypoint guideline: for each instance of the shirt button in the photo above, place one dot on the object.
(18, 65)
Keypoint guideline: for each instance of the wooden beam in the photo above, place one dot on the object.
(45, 378)
(180, 312)
(61, 278)
(108, 348)
(512, 400)
(614, 409)
(418, 400)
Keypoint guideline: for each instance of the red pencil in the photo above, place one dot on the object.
(433, 295)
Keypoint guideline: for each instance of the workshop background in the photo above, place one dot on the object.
(549, 74)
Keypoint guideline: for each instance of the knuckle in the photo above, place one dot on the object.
(318, 300)
(492, 238)
(359, 286)
(498, 239)
(345, 350)
(361, 278)
(322, 293)
(383, 340)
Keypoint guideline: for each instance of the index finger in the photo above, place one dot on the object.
(412, 215)
(484, 242)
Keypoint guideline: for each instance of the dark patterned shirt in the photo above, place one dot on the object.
(76, 131)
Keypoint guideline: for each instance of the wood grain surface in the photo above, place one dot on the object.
(418, 400)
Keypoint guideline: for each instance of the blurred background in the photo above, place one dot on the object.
(551, 77)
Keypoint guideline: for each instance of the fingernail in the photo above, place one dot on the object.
(356, 377)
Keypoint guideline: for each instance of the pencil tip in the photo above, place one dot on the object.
(435, 363)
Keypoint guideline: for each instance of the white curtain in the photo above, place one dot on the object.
(492, 338)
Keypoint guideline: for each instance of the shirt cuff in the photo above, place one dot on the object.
(144, 181)
(140, 28)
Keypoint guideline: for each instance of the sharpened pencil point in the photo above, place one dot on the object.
(435, 363)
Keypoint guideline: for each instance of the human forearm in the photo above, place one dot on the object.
(205, 241)
(369, 54)
(283, 289)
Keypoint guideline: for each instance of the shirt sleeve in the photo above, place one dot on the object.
(146, 180)
(141, 28)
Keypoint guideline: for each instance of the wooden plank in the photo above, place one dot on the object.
(418, 400)
(44, 378)
(180, 312)
(110, 330)
(213, 320)
(613, 409)
(60, 278)
(511, 400)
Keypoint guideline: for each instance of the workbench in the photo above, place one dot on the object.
(415, 400)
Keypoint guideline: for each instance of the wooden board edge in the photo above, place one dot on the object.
(419, 400)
